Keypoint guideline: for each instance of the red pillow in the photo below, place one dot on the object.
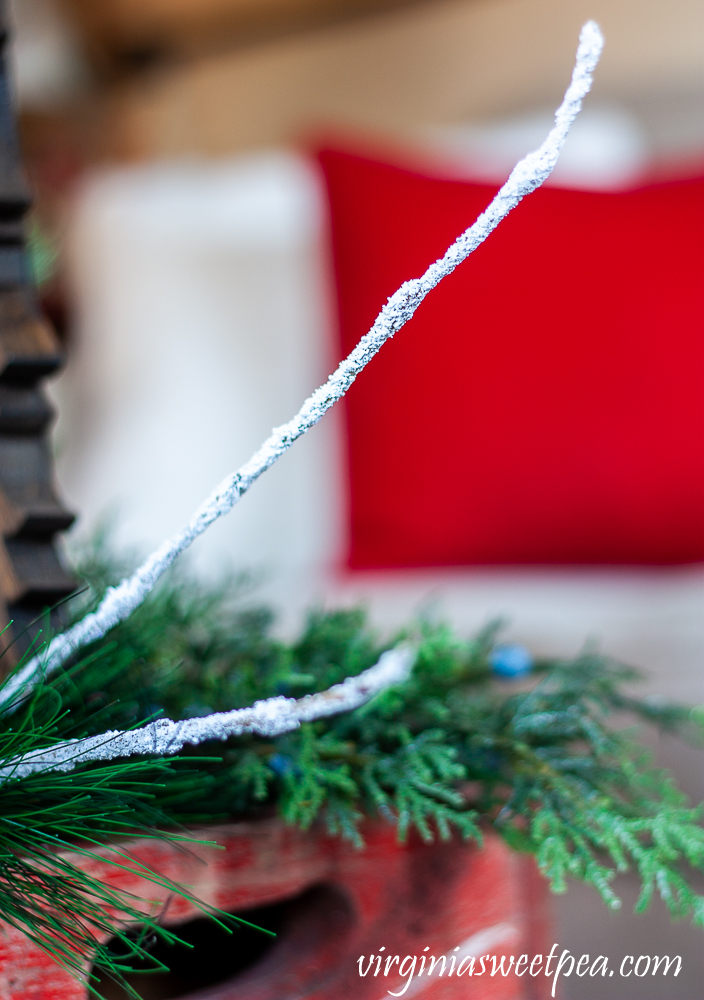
(546, 402)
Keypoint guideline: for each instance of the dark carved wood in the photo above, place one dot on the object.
(31, 576)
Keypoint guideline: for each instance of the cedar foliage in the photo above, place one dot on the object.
(543, 762)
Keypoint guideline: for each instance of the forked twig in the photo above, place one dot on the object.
(120, 601)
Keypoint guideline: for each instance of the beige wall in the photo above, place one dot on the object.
(436, 63)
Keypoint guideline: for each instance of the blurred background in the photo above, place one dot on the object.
(181, 238)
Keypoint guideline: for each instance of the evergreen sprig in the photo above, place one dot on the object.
(48, 818)
(543, 763)
(453, 749)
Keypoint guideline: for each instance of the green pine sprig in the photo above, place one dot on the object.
(48, 817)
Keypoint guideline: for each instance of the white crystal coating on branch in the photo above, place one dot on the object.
(265, 718)
(119, 602)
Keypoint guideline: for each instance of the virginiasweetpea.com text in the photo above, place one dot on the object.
(554, 965)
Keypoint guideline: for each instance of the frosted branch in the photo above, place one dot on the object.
(120, 601)
(265, 718)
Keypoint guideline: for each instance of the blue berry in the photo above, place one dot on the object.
(510, 661)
